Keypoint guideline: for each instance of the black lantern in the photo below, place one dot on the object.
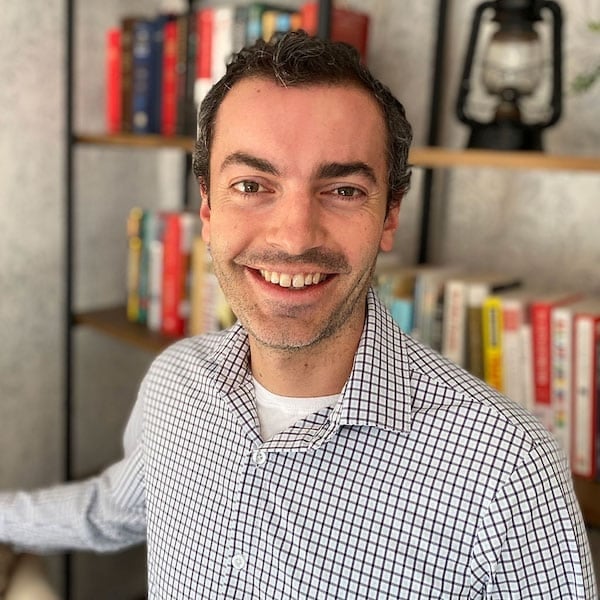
(516, 70)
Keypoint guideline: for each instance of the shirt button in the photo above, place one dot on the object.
(238, 562)
(259, 456)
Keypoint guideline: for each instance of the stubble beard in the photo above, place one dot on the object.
(282, 335)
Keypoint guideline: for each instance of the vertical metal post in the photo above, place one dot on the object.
(324, 27)
(68, 264)
(433, 133)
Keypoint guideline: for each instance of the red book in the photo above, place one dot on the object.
(178, 234)
(541, 310)
(169, 79)
(204, 33)
(586, 394)
(113, 80)
(347, 25)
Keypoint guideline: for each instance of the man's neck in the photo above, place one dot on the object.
(319, 370)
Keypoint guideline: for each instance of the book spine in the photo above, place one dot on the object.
(492, 342)
(187, 123)
(454, 321)
(169, 78)
(561, 357)
(127, 25)
(585, 397)
(113, 80)
(155, 283)
(540, 328)
(172, 323)
(134, 252)
(513, 354)
(204, 29)
(141, 76)
(222, 40)
(180, 64)
(155, 72)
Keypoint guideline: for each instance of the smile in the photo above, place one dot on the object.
(298, 280)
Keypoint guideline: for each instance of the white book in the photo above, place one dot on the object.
(586, 345)
(561, 365)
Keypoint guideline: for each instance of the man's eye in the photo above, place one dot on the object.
(248, 187)
(348, 191)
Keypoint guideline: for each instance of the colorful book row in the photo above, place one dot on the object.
(540, 348)
(171, 287)
(159, 69)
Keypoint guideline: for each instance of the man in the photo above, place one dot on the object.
(313, 450)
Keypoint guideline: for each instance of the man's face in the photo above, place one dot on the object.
(297, 215)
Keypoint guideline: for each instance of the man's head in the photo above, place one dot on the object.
(300, 60)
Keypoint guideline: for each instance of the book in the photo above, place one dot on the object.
(113, 80)
(178, 235)
(222, 40)
(462, 291)
(134, 253)
(155, 271)
(140, 75)
(127, 24)
(492, 326)
(186, 69)
(349, 26)
(170, 76)
(541, 309)
(586, 393)
(204, 33)
(210, 310)
(516, 345)
(561, 364)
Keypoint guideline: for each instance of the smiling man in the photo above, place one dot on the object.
(314, 450)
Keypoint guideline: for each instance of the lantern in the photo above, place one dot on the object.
(511, 87)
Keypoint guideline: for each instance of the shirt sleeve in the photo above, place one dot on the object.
(533, 543)
(103, 513)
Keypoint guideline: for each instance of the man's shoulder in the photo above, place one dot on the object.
(439, 384)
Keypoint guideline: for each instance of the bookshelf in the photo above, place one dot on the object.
(112, 321)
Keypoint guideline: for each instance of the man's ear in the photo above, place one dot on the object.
(389, 228)
(205, 211)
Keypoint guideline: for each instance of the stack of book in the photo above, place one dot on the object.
(159, 69)
(541, 348)
(171, 287)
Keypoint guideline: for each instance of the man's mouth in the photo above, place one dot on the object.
(296, 281)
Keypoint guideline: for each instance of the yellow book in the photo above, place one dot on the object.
(492, 342)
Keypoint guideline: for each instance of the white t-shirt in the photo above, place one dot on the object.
(277, 413)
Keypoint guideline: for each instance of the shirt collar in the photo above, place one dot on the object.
(378, 391)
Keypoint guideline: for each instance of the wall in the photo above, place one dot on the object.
(542, 221)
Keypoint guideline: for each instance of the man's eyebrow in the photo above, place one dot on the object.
(333, 170)
(242, 158)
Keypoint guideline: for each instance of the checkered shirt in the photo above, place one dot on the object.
(421, 483)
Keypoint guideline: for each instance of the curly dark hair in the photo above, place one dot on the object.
(297, 59)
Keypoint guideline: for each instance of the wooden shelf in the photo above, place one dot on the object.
(588, 494)
(113, 322)
(446, 157)
(130, 140)
(426, 157)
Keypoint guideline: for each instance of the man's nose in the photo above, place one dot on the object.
(297, 225)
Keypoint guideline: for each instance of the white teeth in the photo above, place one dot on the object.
(299, 280)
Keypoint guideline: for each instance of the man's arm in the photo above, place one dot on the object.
(533, 542)
(103, 513)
